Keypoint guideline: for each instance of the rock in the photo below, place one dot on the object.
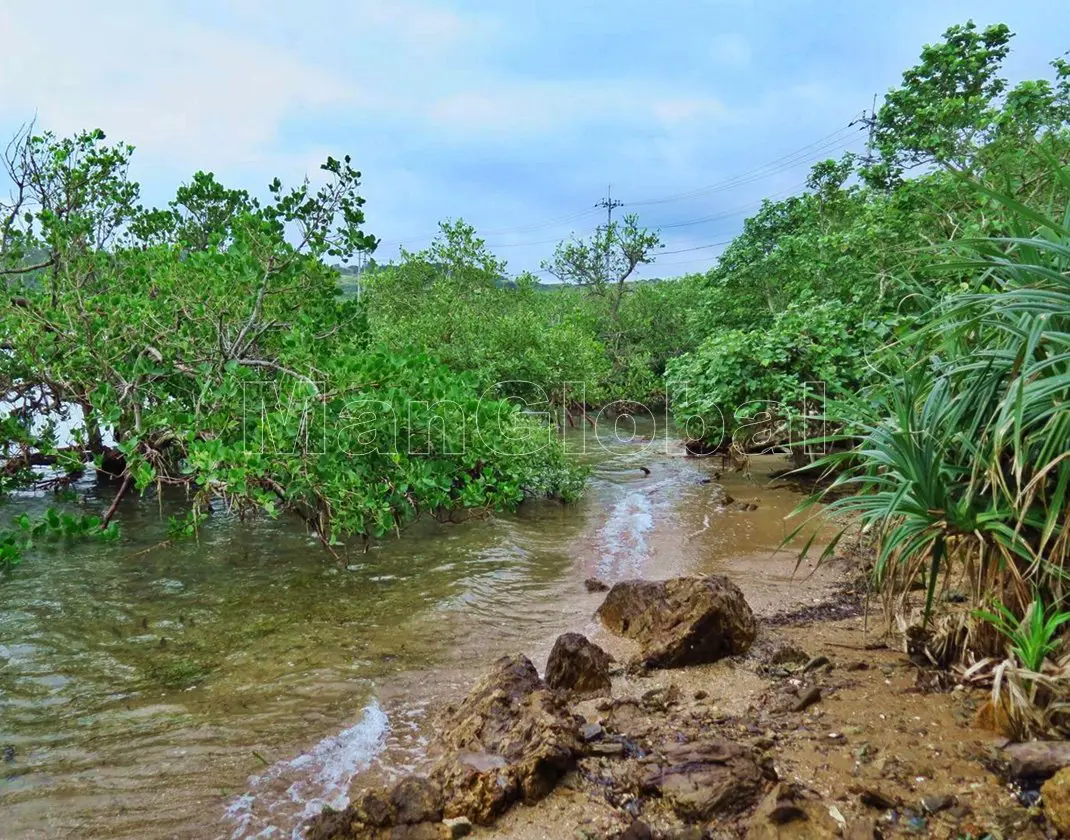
(591, 732)
(875, 799)
(458, 827)
(707, 778)
(576, 664)
(937, 803)
(606, 749)
(330, 824)
(1038, 760)
(807, 700)
(375, 807)
(815, 663)
(785, 814)
(638, 830)
(1055, 794)
(596, 585)
(510, 740)
(416, 799)
(681, 621)
(418, 831)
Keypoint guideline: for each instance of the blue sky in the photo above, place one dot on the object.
(514, 116)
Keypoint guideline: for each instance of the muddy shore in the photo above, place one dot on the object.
(852, 737)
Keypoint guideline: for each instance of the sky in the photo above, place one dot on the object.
(516, 117)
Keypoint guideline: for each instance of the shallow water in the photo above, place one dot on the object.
(231, 686)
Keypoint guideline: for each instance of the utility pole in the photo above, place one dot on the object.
(870, 121)
(360, 273)
(610, 204)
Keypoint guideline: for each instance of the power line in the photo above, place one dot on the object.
(696, 248)
(773, 167)
(559, 220)
(830, 142)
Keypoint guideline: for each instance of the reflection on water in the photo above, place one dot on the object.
(231, 686)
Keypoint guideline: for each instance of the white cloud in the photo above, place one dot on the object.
(176, 89)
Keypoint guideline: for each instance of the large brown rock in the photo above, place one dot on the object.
(510, 740)
(410, 810)
(415, 800)
(1037, 760)
(577, 664)
(1055, 794)
(682, 621)
(706, 779)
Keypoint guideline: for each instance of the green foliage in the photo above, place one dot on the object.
(962, 458)
(603, 264)
(209, 339)
(524, 340)
(831, 285)
(954, 109)
(736, 375)
(53, 527)
(1032, 638)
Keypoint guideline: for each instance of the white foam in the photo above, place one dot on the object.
(622, 539)
(317, 778)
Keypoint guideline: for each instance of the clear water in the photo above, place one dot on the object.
(231, 686)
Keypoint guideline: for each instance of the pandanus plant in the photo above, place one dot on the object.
(961, 461)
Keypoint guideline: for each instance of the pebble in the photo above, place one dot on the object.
(591, 732)
(875, 799)
(817, 662)
(607, 749)
(808, 699)
(935, 804)
(638, 830)
(458, 826)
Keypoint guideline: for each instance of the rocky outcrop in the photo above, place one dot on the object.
(410, 810)
(509, 741)
(706, 779)
(682, 621)
(1055, 794)
(578, 665)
